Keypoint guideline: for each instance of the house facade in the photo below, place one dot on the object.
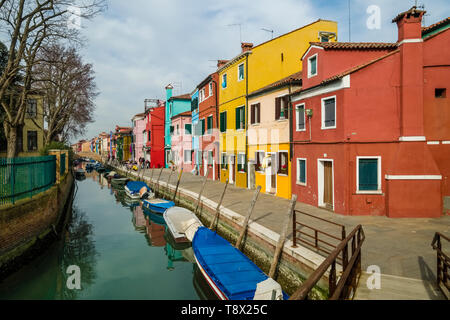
(208, 113)
(182, 152)
(174, 106)
(269, 137)
(123, 143)
(367, 136)
(139, 122)
(154, 136)
(30, 136)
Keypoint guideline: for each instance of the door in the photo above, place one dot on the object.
(271, 178)
(232, 168)
(328, 184)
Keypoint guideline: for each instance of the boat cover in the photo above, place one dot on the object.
(158, 205)
(135, 186)
(232, 272)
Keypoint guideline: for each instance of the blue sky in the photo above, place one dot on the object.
(138, 47)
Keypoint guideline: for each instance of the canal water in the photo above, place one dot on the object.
(122, 251)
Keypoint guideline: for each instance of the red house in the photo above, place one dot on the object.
(371, 130)
(208, 112)
(154, 133)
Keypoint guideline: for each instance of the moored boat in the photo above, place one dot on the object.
(231, 274)
(158, 205)
(182, 223)
(120, 181)
(138, 190)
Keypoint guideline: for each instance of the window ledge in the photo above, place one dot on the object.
(300, 183)
(367, 192)
(283, 175)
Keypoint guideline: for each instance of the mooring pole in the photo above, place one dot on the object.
(151, 177)
(282, 238)
(201, 191)
(178, 184)
(247, 218)
(157, 182)
(216, 217)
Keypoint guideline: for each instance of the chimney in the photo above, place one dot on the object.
(221, 63)
(410, 43)
(246, 46)
(169, 89)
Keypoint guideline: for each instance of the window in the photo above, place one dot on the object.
(223, 161)
(241, 72)
(301, 171)
(223, 121)
(283, 163)
(300, 117)
(171, 130)
(210, 89)
(324, 38)
(203, 126)
(259, 157)
(255, 113)
(188, 129)
(440, 93)
(241, 162)
(281, 108)
(224, 80)
(32, 140)
(194, 104)
(209, 122)
(240, 118)
(178, 129)
(31, 108)
(312, 66)
(369, 174)
(329, 113)
(187, 156)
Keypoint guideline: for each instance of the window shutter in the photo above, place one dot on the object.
(237, 118)
(258, 113)
(252, 113)
(368, 174)
(277, 108)
(286, 106)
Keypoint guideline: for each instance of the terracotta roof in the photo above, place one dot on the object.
(359, 67)
(139, 115)
(435, 26)
(183, 114)
(296, 78)
(355, 45)
(412, 11)
(186, 96)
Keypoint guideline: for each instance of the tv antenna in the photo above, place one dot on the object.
(267, 30)
(240, 30)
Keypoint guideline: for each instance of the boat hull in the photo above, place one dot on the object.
(159, 206)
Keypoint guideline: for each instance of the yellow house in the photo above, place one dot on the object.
(233, 90)
(243, 83)
(30, 136)
(275, 72)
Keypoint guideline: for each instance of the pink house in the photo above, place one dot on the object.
(181, 137)
(139, 124)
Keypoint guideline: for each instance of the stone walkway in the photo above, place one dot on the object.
(400, 247)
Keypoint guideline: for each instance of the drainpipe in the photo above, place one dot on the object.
(246, 116)
(217, 126)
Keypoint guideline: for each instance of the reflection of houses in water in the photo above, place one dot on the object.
(173, 256)
(139, 221)
(155, 233)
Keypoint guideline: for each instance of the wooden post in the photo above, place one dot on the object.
(282, 238)
(201, 191)
(157, 182)
(247, 218)
(216, 217)
(151, 177)
(178, 183)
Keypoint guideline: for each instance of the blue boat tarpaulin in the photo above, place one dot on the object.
(135, 186)
(233, 272)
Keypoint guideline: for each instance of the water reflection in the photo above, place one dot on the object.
(78, 249)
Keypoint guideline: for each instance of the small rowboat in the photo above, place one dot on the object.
(182, 223)
(120, 181)
(231, 274)
(158, 205)
(136, 189)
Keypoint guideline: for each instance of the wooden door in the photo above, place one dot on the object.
(328, 184)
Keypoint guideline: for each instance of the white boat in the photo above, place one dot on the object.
(182, 223)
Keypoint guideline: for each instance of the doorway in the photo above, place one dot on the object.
(271, 178)
(232, 168)
(325, 183)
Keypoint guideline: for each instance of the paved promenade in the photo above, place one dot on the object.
(400, 247)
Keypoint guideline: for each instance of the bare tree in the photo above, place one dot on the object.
(31, 25)
(69, 89)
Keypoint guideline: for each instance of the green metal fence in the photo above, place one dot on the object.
(22, 178)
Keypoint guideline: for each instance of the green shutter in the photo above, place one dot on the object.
(302, 171)
(368, 174)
